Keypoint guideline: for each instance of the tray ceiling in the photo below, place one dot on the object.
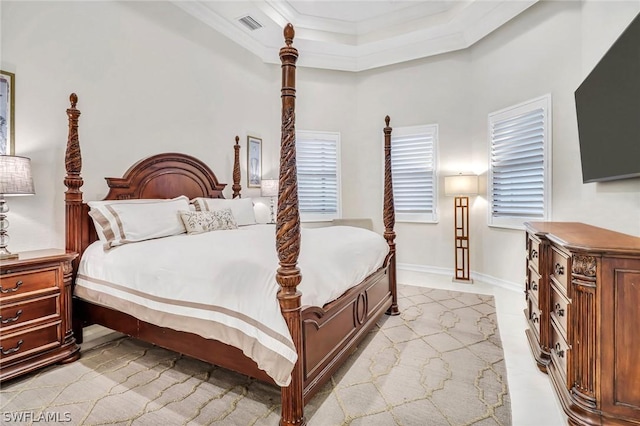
(356, 35)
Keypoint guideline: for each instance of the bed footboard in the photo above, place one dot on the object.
(332, 333)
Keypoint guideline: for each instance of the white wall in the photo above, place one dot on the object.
(151, 78)
(550, 48)
(433, 90)
(546, 51)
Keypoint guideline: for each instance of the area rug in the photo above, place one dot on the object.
(439, 363)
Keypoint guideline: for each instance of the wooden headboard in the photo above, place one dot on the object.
(166, 175)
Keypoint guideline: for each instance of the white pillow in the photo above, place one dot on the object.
(242, 208)
(199, 222)
(120, 222)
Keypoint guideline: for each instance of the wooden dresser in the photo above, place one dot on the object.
(35, 312)
(583, 310)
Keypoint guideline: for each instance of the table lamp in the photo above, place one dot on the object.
(15, 179)
(269, 189)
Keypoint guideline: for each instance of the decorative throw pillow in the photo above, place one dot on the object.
(216, 220)
(242, 208)
(120, 222)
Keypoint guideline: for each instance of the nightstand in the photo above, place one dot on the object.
(35, 312)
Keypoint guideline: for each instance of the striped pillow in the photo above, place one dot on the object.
(242, 208)
(120, 222)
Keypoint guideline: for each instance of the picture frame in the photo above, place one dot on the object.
(254, 162)
(7, 112)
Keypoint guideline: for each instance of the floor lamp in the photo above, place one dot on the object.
(461, 187)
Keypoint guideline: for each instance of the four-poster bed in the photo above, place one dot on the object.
(322, 337)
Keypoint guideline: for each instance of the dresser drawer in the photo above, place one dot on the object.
(533, 253)
(33, 340)
(560, 268)
(559, 308)
(19, 314)
(533, 284)
(534, 317)
(559, 352)
(18, 284)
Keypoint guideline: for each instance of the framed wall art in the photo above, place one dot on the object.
(7, 112)
(254, 162)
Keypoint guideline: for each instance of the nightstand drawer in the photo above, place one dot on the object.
(41, 309)
(560, 269)
(35, 311)
(18, 284)
(33, 340)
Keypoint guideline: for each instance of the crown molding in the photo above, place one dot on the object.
(338, 45)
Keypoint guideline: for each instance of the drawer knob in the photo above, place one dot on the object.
(534, 286)
(11, 290)
(12, 319)
(559, 351)
(534, 317)
(558, 269)
(534, 253)
(559, 310)
(12, 350)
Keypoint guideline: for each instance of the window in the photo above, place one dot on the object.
(413, 167)
(520, 163)
(318, 163)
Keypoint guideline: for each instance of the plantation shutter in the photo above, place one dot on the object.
(518, 162)
(413, 169)
(318, 174)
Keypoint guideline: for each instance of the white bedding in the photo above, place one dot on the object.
(221, 285)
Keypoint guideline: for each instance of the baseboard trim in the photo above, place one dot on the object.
(488, 279)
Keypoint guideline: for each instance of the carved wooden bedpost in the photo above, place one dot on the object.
(236, 170)
(73, 182)
(288, 233)
(390, 218)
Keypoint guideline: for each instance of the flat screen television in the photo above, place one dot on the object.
(608, 110)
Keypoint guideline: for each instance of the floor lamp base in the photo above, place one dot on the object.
(461, 211)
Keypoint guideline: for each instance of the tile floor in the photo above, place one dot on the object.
(533, 402)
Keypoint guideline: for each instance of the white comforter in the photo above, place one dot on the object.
(221, 285)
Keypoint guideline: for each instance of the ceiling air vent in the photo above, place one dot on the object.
(250, 23)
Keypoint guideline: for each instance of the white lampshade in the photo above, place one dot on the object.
(269, 188)
(461, 185)
(15, 179)
(15, 175)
